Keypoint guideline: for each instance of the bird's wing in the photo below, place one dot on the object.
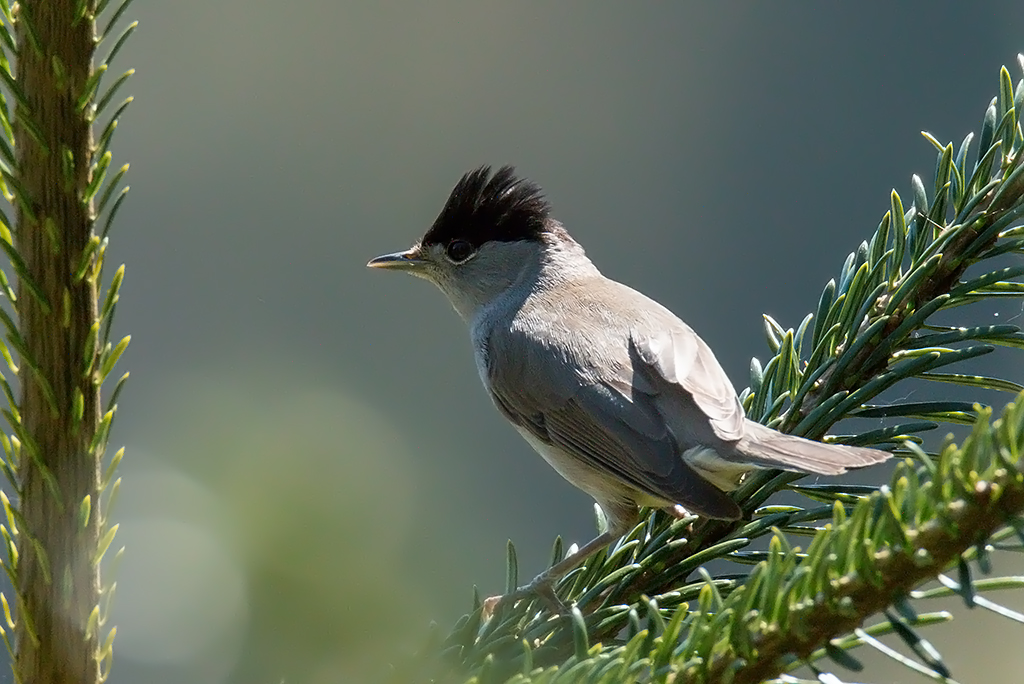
(689, 374)
(611, 424)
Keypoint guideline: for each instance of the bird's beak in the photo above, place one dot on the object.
(409, 260)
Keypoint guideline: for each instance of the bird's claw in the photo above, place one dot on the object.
(540, 588)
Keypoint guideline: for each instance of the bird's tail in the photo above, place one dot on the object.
(767, 448)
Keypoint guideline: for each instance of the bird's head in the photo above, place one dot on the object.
(493, 232)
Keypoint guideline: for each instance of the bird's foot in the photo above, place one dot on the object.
(680, 513)
(542, 587)
(677, 512)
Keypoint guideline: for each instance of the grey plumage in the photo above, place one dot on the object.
(621, 397)
(628, 392)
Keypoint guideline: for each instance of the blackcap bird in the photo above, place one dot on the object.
(617, 394)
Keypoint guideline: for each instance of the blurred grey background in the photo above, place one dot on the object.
(312, 471)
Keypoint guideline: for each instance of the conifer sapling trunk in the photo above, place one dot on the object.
(60, 411)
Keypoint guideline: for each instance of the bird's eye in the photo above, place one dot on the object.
(459, 250)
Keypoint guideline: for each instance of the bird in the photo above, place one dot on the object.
(621, 397)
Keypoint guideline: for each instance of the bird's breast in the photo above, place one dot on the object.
(597, 484)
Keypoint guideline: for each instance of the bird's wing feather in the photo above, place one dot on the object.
(687, 365)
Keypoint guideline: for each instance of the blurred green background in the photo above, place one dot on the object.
(312, 471)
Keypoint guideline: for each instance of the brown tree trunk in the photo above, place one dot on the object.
(58, 580)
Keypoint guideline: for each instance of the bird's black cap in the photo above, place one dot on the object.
(484, 207)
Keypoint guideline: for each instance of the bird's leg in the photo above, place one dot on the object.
(621, 518)
(542, 585)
